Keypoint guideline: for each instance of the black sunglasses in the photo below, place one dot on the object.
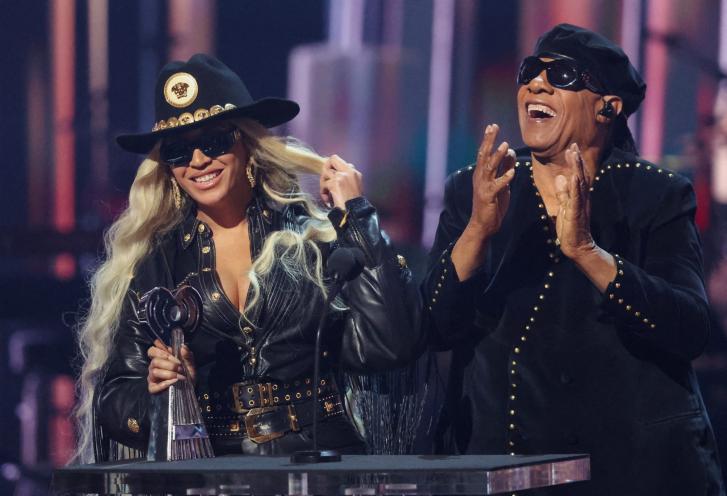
(180, 152)
(565, 74)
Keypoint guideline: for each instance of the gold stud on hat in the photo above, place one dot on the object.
(186, 118)
(200, 114)
(180, 90)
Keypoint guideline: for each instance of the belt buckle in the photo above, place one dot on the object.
(237, 404)
(252, 429)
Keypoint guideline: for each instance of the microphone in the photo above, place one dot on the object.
(344, 264)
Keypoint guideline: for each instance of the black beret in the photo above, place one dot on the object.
(605, 60)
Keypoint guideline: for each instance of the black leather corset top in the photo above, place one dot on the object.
(275, 339)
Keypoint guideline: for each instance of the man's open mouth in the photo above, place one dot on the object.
(540, 111)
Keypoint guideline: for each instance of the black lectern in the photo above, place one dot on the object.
(354, 475)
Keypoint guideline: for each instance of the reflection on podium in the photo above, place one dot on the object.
(354, 475)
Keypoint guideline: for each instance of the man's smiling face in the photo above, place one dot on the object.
(551, 118)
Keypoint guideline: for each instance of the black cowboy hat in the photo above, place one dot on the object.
(200, 91)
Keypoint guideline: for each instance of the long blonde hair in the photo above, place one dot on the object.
(151, 213)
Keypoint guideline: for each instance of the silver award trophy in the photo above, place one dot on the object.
(177, 429)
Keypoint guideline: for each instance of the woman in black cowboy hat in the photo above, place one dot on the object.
(216, 204)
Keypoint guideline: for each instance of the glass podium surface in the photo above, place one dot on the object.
(353, 475)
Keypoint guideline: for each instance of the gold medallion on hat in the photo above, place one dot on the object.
(180, 90)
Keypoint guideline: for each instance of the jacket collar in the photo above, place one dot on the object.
(261, 216)
(189, 227)
(609, 202)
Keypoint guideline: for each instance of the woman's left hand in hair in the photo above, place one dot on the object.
(573, 224)
(340, 182)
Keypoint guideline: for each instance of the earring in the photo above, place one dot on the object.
(177, 194)
(607, 110)
(250, 173)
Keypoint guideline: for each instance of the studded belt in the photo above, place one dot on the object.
(273, 409)
(244, 395)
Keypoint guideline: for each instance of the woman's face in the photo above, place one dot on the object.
(210, 166)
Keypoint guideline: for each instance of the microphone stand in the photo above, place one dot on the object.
(315, 455)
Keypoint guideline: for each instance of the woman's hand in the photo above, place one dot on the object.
(165, 369)
(340, 182)
(573, 224)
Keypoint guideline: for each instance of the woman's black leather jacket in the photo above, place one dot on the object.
(374, 331)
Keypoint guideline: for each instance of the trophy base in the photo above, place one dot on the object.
(315, 456)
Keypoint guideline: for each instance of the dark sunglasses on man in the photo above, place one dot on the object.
(562, 72)
(180, 152)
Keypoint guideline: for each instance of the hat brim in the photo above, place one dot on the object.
(269, 112)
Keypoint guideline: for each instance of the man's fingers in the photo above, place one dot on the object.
(570, 158)
(574, 192)
(581, 198)
(574, 158)
(580, 164)
(485, 150)
(496, 158)
(489, 141)
(561, 189)
(503, 181)
(507, 163)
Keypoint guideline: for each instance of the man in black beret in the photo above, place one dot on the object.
(567, 283)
